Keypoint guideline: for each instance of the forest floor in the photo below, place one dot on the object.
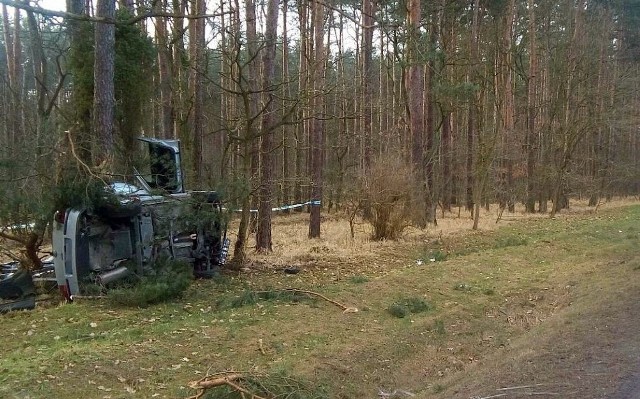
(526, 307)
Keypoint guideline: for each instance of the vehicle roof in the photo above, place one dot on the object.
(174, 144)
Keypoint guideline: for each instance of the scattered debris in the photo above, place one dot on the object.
(291, 270)
(17, 290)
(261, 347)
(255, 386)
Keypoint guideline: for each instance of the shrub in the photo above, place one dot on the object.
(404, 307)
(172, 278)
(385, 194)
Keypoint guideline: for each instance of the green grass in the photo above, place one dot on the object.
(438, 327)
(358, 279)
(510, 241)
(249, 298)
(408, 306)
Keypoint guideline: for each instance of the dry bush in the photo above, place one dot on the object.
(386, 192)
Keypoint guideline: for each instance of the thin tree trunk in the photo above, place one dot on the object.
(531, 111)
(508, 110)
(430, 153)
(471, 121)
(15, 85)
(303, 89)
(39, 63)
(368, 10)
(286, 130)
(263, 233)
(317, 134)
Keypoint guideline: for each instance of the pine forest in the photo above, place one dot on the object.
(398, 111)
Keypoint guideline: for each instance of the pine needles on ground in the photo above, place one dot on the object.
(170, 281)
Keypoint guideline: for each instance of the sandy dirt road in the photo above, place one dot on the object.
(589, 350)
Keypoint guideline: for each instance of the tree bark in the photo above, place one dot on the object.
(197, 72)
(302, 128)
(531, 111)
(431, 196)
(317, 133)
(178, 71)
(251, 100)
(473, 104)
(164, 74)
(104, 90)
(13, 46)
(263, 233)
(286, 129)
(368, 10)
(414, 88)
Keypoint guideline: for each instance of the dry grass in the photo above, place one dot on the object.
(291, 247)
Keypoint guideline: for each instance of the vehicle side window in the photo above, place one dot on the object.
(163, 169)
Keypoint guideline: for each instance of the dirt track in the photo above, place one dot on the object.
(582, 352)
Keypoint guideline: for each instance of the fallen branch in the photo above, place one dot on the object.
(520, 387)
(231, 379)
(345, 309)
(491, 396)
(242, 390)
(206, 383)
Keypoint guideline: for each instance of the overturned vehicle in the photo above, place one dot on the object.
(151, 219)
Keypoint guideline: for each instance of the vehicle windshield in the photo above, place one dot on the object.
(160, 170)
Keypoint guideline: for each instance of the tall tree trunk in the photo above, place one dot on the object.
(103, 77)
(251, 101)
(263, 233)
(317, 133)
(532, 81)
(508, 111)
(39, 63)
(287, 93)
(414, 89)
(164, 73)
(368, 10)
(80, 128)
(302, 127)
(431, 197)
(178, 70)
(15, 84)
(196, 81)
(473, 104)
(447, 181)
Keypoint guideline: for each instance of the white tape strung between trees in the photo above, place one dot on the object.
(287, 207)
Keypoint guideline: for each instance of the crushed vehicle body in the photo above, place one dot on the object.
(152, 219)
(17, 289)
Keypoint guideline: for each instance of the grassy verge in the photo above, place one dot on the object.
(421, 324)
